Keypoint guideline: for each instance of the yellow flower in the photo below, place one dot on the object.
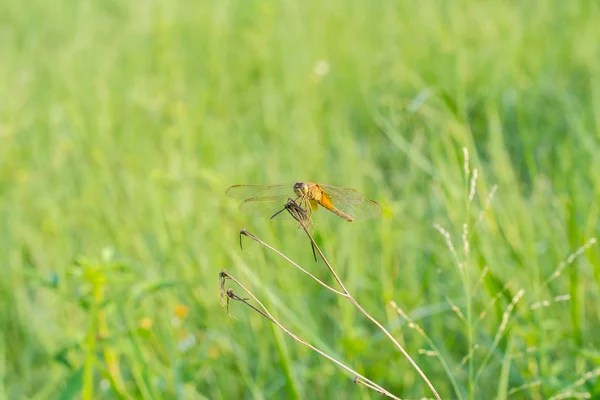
(146, 323)
(181, 311)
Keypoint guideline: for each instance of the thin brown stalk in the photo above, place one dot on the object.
(303, 219)
(358, 380)
(244, 232)
(263, 311)
(361, 309)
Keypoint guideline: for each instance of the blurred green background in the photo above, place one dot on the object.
(123, 123)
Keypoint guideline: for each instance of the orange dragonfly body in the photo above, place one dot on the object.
(270, 200)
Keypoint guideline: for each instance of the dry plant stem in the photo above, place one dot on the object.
(366, 314)
(290, 208)
(256, 239)
(265, 313)
(358, 380)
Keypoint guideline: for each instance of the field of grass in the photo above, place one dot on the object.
(123, 123)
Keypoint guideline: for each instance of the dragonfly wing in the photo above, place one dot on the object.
(266, 207)
(366, 210)
(345, 195)
(249, 191)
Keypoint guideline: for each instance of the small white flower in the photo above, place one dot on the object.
(321, 68)
(186, 343)
(104, 385)
(175, 322)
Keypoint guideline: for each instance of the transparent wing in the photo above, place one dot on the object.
(366, 210)
(346, 195)
(248, 191)
(266, 207)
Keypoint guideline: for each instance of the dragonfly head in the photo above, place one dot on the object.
(301, 189)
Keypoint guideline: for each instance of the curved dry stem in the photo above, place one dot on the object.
(244, 232)
(299, 215)
(365, 313)
(265, 313)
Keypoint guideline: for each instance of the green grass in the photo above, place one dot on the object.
(123, 123)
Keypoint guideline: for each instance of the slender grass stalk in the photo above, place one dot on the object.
(90, 344)
(2, 365)
(111, 357)
(465, 272)
(432, 344)
(470, 330)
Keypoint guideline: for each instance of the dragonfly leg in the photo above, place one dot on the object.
(277, 213)
(291, 204)
(297, 212)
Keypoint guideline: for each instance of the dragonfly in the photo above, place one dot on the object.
(271, 200)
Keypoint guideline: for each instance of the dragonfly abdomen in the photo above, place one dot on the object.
(325, 202)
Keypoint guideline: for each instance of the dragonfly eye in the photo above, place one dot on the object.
(298, 188)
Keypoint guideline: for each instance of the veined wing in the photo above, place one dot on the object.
(266, 207)
(366, 210)
(249, 191)
(346, 195)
